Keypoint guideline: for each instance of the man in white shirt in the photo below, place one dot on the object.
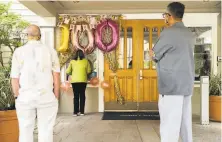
(35, 77)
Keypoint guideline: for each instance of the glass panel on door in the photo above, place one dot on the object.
(121, 49)
(129, 52)
(154, 40)
(146, 48)
(125, 52)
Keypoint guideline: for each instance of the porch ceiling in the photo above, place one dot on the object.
(119, 7)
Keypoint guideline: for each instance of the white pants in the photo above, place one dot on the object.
(175, 118)
(46, 114)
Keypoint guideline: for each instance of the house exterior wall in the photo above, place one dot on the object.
(26, 14)
(47, 25)
(95, 95)
(190, 20)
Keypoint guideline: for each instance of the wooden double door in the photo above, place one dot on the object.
(137, 73)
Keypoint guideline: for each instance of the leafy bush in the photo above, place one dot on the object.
(7, 101)
(11, 36)
(215, 85)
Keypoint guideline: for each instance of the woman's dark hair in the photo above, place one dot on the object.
(79, 54)
(176, 9)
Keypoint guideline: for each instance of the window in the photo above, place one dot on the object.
(202, 51)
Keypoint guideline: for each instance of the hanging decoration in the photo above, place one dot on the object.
(65, 38)
(64, 27)
(78, 33)
(105, 29)
(92, 20)
(113, 65)
(107, 35)
(120, 98)
(65, 57)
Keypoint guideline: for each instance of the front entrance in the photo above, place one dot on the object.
(137, 74)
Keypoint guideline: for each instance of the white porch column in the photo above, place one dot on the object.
(204, 105)
(101, 100)
(47, 26)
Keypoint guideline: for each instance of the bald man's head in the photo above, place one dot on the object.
(34, 32)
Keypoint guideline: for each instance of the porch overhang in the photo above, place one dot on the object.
(52, 8)
(43, 9)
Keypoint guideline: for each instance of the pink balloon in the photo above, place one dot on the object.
(91, 48)
(75, 38)
(94, 81)
(115, 35)
(105, 85)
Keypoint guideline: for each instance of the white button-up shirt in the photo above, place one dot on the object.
(33, 64)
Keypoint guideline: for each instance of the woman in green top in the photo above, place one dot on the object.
(78, 68)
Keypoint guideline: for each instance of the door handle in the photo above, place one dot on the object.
(141, 74)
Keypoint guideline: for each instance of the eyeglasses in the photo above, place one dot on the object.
(166, 14)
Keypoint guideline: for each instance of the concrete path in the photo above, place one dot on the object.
(90, 128)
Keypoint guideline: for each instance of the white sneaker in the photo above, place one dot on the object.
(74, 115)
(82, 114)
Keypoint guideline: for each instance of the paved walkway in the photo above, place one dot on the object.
(90, 128)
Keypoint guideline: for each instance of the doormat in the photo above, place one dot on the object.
(131, 116)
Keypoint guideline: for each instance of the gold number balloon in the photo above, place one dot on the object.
(64, 40)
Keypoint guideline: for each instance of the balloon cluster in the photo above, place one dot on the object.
(106, 36)
(104, 84)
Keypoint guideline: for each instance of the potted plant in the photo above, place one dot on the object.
(8, 119)
(11, 27)
(215, 98)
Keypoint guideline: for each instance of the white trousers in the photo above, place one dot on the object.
(46, 115)
(175, 118)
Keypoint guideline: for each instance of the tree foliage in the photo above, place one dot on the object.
(11, 36)
(11, 27)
